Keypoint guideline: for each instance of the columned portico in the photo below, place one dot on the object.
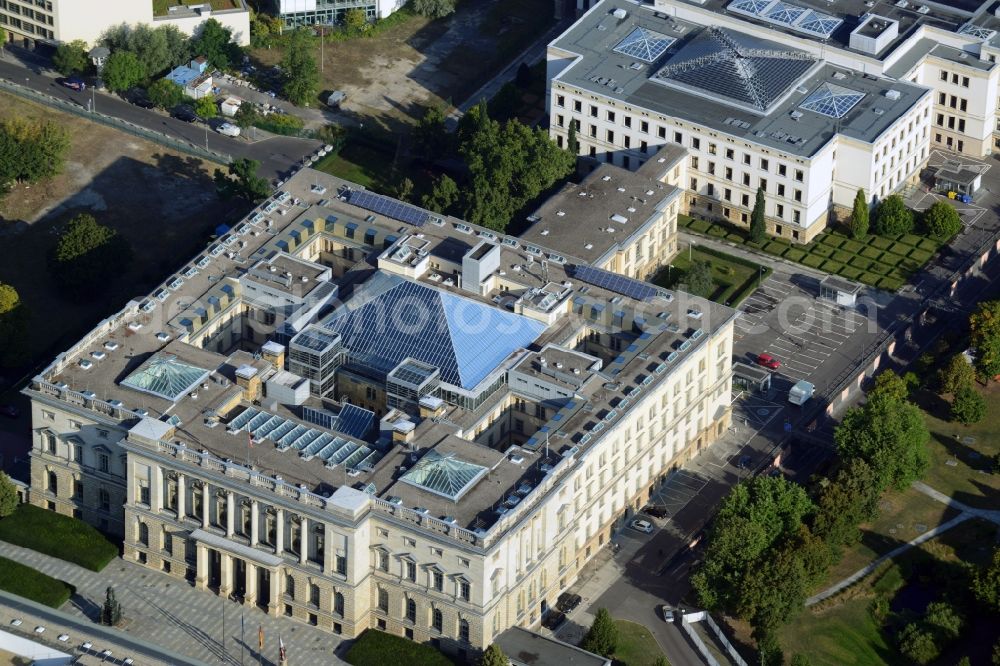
(279, 531)
(303, 539)
(201, 578)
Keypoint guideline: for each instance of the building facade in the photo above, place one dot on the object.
(438, 455)
(294, 13)
(58, 21)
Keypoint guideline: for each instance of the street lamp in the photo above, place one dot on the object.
(98, 56)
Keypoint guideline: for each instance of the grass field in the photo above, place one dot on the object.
(636, 646)
(32, 584)
(734, 279)
(59, 536)
(844, 635)
(962, 456)
(886, 263)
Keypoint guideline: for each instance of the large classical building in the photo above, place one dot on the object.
(361, 414)
(805, 99)
(57, 21)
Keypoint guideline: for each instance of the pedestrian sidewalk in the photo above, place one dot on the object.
(164, 611)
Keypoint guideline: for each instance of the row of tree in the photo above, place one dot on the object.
(892, 218)
(506, 165)
(771, 543)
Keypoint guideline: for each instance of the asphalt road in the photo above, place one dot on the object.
(276, 154)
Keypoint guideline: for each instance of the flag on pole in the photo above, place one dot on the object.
(281, 649)
(260, 637)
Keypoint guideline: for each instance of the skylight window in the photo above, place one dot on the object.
(444, 475)
(832, 101)
(645, 45)
(166, 377)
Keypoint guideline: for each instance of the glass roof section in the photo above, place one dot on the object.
(412, 373)
(444, 475)
(978, 32)
(390, 319)
(166, 377)
(645, 45)
(314, 339)
(832, 101)
(737, 68)
(787, 15)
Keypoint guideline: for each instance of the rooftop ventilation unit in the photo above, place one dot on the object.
(923, 9)
(619, 13)
(892, 94)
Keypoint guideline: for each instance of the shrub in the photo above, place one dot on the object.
(377, 648)
(280, 123)
(871, 252)
(831, 266)
(860, 262)
(842, 256)
(822, 251)
(968, 406)
(850, 272)
(602, 637)
(941, 220)
(892, 217)
(59, 536)
(853, 247)
(880, 242)
(813, 261)
(794, 254)
(29, 583)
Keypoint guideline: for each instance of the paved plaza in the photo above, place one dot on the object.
(169, 613)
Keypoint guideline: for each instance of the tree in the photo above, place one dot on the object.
(494, 656)
(86, 253)
(956, 373)
(158, 50)
(31, 150)
(71, 58)
(122, 71)
(888, 433)
(892, 217)
(430, 138)
(241, 180)
(444, 195)
(942, 618)
(434, 8)
(602, 637)
(968, 406)
(986, 583)
(917, 644)
(758, 517)
(245, 116)
(206, 107)
(941, 220)
(849, 500)
(13, 326)
(758, 226)
(699, 280)
(984, 335)
(8, 496)
(859, 216)
(165, 94)
(572, 143)
(111, 611)
(524, 76)
(355, 20)
(404, 190)
(301, 76)
(214, 41)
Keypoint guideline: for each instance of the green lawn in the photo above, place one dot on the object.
(961, 456)
(32, 584)
(377, 648)
(735, 278)
(357, 163)
(882, 262)
(840, 636)
(59, 536)
(636, 646)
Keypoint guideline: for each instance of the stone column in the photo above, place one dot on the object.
(328, 550)
(303, 540)
(156, 489)
(279, 532)
(206, 505)
(274, 605)
(181, 498)
(250, 596)
(225, 574)
(201, 573)
(230, 514)
(254, 523)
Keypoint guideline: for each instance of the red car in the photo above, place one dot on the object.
(768, 361)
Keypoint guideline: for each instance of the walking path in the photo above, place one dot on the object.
(967, 512)
(164, 611)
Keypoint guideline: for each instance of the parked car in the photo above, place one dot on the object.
(768, 361)
(656, 511)
(138, 97)
(642, 525)
(10, 411)
(553, 620)
(668, 613)
(185, 113)
(74, 83)
(745, 462)
(568, 601)
(228, 129)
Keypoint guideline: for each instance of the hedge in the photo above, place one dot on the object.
(842, 256)
(830, 240)
(920, 256)
(860, 262)
(880, 242)
(57, 535)
(377, 648)
(701, 226)
(717, 231)
(911, 239)
(29, 583)
(831, 266)
(871, 253)
(852, 246)
(822, 251)
(794, 254)
(850, 272)
(813, 261)
(280, 123)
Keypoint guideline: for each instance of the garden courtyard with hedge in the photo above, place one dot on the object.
(57, 535)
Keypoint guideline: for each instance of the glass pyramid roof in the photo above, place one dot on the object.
(832, 100)
(164, 376)
(737, 68)
(390, 319)
(645, 45)
(443, 475)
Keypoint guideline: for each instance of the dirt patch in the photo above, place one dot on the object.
(163, 202)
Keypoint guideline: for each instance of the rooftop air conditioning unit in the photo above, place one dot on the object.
(619, 13)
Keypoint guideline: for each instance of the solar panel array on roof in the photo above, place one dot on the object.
(619, 284)
(743, 70)
(389, 207)
(832, 100)
(645, 45)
